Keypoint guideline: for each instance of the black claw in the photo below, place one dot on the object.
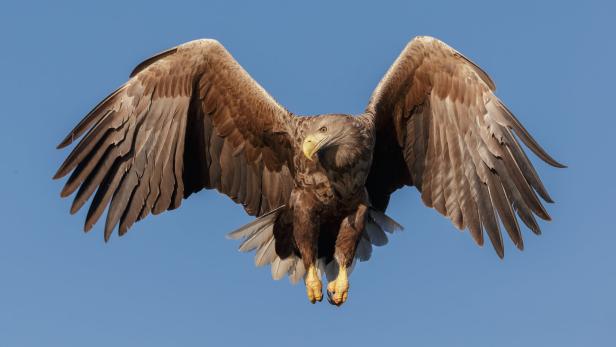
(329, 298)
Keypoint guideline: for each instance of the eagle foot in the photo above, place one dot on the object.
(313, 285)
(338, 289)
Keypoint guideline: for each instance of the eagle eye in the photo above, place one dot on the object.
(323, 129)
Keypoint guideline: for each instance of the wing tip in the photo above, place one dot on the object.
(500, 250)
(558, 165)
(66, 141)
(108, 233)
(74, 208)
(59, 174)
(528, 139)
(548, 159)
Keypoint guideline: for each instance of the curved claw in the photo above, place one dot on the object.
(329, 298)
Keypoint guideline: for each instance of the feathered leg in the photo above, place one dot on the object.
(346, 244)
(306, 234)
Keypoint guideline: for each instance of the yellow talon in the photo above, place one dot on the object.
(313, 285)
(338, 289)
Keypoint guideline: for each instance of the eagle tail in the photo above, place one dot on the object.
(259, 235)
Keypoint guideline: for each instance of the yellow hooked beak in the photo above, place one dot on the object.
(312, 144)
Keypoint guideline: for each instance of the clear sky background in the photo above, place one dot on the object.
(174, 280)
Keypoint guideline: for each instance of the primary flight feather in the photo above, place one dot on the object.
(191, 118)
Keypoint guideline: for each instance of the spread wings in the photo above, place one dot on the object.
(440, 127)
(188, 118)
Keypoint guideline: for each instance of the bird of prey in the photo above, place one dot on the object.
(191, 118)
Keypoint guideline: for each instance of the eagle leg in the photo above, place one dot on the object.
(346, 244)
(306, 235)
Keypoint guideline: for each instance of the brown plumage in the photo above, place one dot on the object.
(191, 118)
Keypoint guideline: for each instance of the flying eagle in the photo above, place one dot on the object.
(191, 118)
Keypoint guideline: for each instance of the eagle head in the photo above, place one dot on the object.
(334, 137)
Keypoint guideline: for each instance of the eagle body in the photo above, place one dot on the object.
(331, 187)
(190, 118)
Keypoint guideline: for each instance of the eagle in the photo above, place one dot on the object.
(191, 118)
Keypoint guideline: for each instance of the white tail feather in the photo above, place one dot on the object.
(375, 234)
(259, 235)
(364, 248)
(385, 222)
(297, 271)
(266, 253)
(250, 228)
(280, 267)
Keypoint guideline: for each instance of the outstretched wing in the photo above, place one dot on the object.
(187, 119)
(440, 127)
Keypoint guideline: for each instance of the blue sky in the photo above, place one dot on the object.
(175, 280)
